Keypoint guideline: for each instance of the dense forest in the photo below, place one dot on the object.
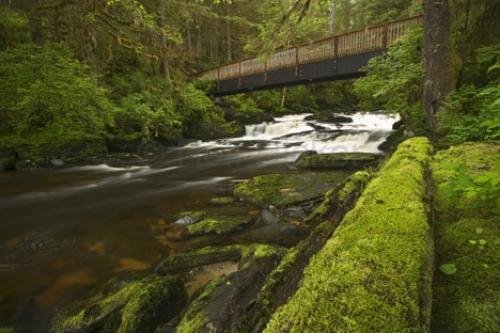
(397, 234)
(80, 78)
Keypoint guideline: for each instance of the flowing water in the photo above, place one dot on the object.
(64, 231)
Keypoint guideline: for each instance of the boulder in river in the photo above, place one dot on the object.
(188, 218)
(222, 303)
(343, 161)
(137, 306)
(57, 162)
(285, 190)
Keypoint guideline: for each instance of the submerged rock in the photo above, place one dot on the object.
(188, 218)
(270, 215)
(57, 162)
(285, 234)
(348, 161)
(138, 306)
(222, 200)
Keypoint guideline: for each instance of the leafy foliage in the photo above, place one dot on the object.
(472, 112)
(49, 98)
(394, 82)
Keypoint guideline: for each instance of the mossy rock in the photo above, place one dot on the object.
(219, 225)
(467, 240)
(223, 301)
(138, 306)
(342, 161)
(374, 274)
(7, 330)
(183, 262)
(282, 190)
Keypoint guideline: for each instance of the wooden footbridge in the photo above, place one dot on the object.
(337, 57)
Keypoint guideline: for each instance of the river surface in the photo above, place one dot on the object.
(65, 231)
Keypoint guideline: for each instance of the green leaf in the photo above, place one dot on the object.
(479, 230)
(448, 269)
(472, 242)
(482, 242)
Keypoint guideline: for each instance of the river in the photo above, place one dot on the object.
(65, 231)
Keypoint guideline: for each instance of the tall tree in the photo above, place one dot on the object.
(439, 78)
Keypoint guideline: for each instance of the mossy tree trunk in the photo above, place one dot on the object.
(439, 78)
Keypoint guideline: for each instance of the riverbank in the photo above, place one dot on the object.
(245, 260)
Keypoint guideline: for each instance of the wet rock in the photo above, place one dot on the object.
(222, 303)
(184, 262)
(398, 124)
(188, 218)
(57, 162)
(218, 225)
(344, 161)
(334, 118)
(294, 213)
(284, 190)
(285, 234)
(270, 215)
(393, 140)
(137, 306)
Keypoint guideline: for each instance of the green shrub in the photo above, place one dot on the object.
(394, 82)
(49, 98)
(472, 112)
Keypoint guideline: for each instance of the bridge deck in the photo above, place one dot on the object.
(334, 58)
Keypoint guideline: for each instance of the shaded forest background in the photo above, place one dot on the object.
(80, 78)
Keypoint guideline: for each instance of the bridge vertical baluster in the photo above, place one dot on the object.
(296, 62)
(385, 36)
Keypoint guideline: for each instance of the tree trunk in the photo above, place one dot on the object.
(228, 34)
(439, 78)
(332, 17)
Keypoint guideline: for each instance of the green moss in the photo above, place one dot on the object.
(205, 307)
(196, 215)
(195, 319)
(219, 226)
(183, 262)
(373, 275)
(222, 200)
(7, 330)
(467, 237)
(158, 302)
(335, 161)
(136, 306)
(282, 190)
(337, 197)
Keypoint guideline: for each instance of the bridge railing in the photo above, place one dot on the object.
(373, 38)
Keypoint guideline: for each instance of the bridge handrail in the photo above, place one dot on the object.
(372, 38)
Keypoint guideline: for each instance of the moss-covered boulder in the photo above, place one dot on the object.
(284, 280)
(138, 306)
(283, 190)
(467, 239)
(223, 302)
(219, 225)
(374, 274)
(342, 161)
(7, 330)
(185, 261)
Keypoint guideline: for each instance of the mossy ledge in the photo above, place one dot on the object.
(374, 274)
(137, 306)
(467, 239)
(283, 281)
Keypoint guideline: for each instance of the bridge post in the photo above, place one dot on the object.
(335, 47)
(297, 62)
(265, 69)
(239, 75)
(385, 37)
